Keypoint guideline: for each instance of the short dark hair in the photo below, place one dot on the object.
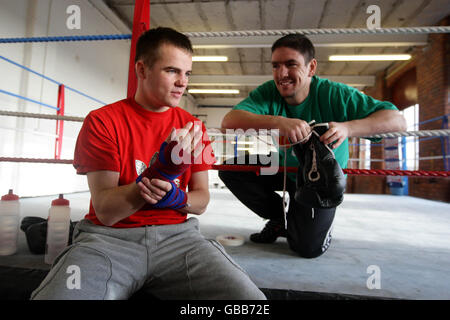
(149, 42)
(297, 42)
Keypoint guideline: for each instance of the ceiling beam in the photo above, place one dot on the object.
(354, 40)
(111, 16)
(228, 80)
(256, 80)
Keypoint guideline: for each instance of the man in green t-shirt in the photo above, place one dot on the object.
(288, 103)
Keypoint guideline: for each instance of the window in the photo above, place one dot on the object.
(365, 146)
(411, 115)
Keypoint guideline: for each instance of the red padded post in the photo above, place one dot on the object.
(59, 123)
(141, 23)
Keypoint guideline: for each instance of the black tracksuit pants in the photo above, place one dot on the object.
(308, 229)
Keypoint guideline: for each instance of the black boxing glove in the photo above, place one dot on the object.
(320, 179)
(35, 229)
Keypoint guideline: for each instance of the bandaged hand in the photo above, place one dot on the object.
(161, 194)
(176, 154)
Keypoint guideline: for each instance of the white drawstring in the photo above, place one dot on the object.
(285, 146)
(313, 168)
(284, 189)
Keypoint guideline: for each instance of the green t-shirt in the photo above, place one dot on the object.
(327, 101)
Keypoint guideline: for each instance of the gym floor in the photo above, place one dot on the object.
(400, 243)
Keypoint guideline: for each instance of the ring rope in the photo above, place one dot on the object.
(68, 38)
(395, 160)
(256, 169)
(244, 33)
(420, 133)
(28, 99)
(409, 173)
(36, 160)
(366, 172)
(40, 116)
(49, 79)
(325, 31)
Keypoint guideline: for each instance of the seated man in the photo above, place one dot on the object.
(136, 234)
(289, 102)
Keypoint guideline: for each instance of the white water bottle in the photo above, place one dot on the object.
(58, 227)
(9, 223)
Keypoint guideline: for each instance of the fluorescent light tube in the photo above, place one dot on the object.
(372, 57)
(214, 91)
(209, 58)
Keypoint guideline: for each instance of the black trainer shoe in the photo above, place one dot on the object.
(270, 233)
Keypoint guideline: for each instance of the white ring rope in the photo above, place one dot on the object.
(260, 33)
(412, 159)
(420, 133)
(40, 116)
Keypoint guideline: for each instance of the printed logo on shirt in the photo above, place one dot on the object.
(140, 166)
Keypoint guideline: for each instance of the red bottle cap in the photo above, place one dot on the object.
(10, 196)
(60, 201)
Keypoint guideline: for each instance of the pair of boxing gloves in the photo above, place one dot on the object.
(163, 167)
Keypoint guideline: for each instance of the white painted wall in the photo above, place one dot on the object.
(98, 69)
(214, 115)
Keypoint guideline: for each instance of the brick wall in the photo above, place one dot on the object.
(372, 184)
(432, 67)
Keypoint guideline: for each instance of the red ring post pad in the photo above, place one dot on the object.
(141, 23)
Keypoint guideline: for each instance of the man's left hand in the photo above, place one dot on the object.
(153, 190)
(337, 133)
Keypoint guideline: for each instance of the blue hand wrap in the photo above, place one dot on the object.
(164, 168)
(161, 157)
(174, 199)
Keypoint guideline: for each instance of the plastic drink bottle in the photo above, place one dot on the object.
(9, 223)
(57, 229)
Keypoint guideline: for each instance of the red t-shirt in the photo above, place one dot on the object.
(123, 137)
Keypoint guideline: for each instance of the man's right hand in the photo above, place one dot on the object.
(179, 150)
(295, 129)
(176, 154)
(188, 138)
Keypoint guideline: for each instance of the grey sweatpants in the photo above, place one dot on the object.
(169, 261)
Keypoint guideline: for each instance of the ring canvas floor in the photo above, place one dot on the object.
(401, 240)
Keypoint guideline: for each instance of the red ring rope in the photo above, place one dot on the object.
(362, 172)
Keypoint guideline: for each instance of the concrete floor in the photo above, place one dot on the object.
(407, 239)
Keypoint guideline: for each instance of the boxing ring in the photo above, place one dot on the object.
(365, 230)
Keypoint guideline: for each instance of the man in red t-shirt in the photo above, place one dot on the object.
(147, 163)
